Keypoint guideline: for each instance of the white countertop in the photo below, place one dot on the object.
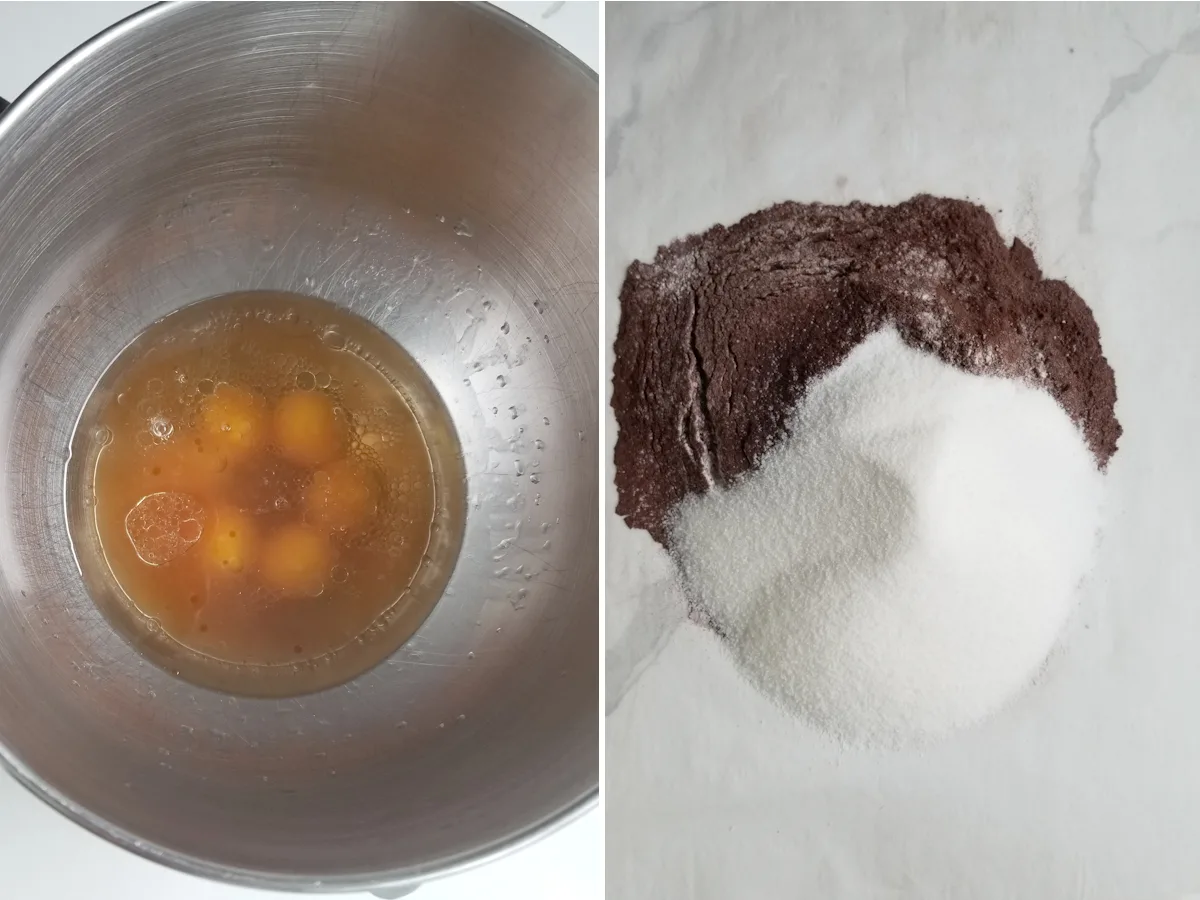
(1078, 127)
(43, 856)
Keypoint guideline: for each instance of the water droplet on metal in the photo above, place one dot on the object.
(161, 427)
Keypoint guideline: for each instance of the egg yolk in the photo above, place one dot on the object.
(189, 463)
(296, 560)
(234, 419)
(230, 541)
(342, 495)
(306, 429)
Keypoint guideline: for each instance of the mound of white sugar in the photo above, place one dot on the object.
(903, 563)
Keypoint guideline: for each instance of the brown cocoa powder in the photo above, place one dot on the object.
(721, 334)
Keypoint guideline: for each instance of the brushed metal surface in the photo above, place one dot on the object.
(433, 168)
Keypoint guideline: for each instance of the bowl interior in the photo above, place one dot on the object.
(433, 169)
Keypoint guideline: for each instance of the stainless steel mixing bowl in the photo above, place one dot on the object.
(433, 168)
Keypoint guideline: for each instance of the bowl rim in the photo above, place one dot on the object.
(24, 774)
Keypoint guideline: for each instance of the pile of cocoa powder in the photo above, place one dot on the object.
(721, 334)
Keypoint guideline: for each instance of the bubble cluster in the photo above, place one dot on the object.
(163, 526)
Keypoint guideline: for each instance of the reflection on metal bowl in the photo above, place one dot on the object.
(432, 168)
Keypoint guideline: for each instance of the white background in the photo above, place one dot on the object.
(44, 856)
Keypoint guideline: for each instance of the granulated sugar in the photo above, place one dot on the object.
(903, 562)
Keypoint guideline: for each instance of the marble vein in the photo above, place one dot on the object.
(1121, 89)
(651, 43)
(616, 133)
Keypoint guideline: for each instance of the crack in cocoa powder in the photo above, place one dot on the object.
(699, 414)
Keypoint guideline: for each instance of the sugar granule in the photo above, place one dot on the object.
(901, 563)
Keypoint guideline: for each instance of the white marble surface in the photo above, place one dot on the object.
(43, 856)
(1078, 126)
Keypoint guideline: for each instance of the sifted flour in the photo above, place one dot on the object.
(902, 564)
